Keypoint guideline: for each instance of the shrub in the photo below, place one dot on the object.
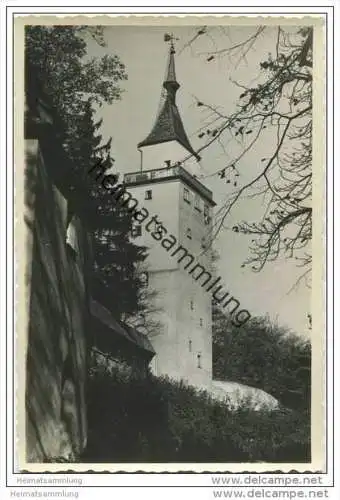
(159, 420)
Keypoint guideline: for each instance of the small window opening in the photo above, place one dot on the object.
(144, 278)
(136, 231)
(207, 218)
(198, 204)
(189, 233)
(199, 359)
(148, 194)
(71, 239)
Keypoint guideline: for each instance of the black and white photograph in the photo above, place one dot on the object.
(168, 212)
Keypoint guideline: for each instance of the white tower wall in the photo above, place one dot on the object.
(183, 343)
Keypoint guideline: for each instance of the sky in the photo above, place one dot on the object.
(143, 51)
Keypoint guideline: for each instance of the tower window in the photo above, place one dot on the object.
(189, 233)
(148, 194)
(136, 231)
(190, 345)
(144, 278)
(192, 305)
(198, 203)
(186, 195)
(201, 322)
(207, 217)
(199, 360)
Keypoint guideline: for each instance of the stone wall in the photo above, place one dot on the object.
(56, 289)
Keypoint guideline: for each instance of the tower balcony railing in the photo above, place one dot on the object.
(149, 175)
(175, 171)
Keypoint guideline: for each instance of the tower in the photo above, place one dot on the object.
(176, 232)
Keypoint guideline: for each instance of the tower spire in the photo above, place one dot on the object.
(170, 83)
(168, 125)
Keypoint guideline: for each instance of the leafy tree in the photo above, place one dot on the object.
(263, 355)
(281, 102)
(56, 57)
(59, 69)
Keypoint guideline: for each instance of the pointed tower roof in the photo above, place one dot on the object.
(168, 125)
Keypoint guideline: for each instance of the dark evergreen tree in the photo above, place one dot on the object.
(117, 260)
(117, 279)
(56, 68)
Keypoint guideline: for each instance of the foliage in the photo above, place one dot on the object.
(59, 69)
(57, 57)
(263, 355)
(276, 113)
(159, 420)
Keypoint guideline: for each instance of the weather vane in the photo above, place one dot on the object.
(170, 37)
